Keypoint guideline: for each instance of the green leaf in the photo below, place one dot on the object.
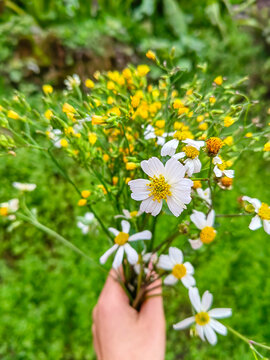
(175, 17)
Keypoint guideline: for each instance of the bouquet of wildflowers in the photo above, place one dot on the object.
(155, 152)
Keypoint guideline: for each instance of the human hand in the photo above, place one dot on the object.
(120, 332)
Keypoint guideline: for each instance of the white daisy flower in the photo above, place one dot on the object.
(169, 148)
(24, 187)
(8, 208)
(262, 216)
(121, 244)
(150, 133)
(85, 221)
(205, 195)
(128, 214)
(191, 152)
(180, 271)
(206, 324)
(165, 183)
(220, 168)
(72, 81)
(205, 224)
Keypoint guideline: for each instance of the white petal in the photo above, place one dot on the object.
(118, 257)
(195, 298)
(195, 244)
(189, 267)
(150, 206)
(174, 171)
(176, 255)
(220, 313)
(217, 160)
(152, 167)
(210, 334)
(218, 327)
(188, 281)
(114, 231)
(207, 300)
(229, 173)
(197, 166)
(170, 280)
(190, 166)
(199, 219)
(217, 171)
(125, 226)
(160, 140)
(184, 323)
(165, 262)
(105, 256)
(179, 155)
(210, 218)
(194, 143)
(169, 147)
(200, 331)
(266, 226)
(255, 202)
(176, 207)
(143, 235)
(255, 223)
(132, 254)
(157, 206)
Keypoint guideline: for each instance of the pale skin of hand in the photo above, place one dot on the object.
(120, 332)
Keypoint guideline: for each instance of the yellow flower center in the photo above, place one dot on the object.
(183, 135)
(158, 188)
(207, 234)
(213, 145)
(202, 318)
(191, 152)
(133, 213)
(226, 181)
(121, 238)
(3, 211)
(264, 212)
(179, 271)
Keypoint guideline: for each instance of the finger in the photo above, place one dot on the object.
(96, 342)
(152, 308)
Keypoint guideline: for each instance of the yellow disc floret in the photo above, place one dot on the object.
(213, 145)
(179, 271)
(226, 181)
(159, 188)
(264, 212)
(191, 152)
(207, 234)
(202, 318)
(121, 238)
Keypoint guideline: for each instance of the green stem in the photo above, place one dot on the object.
(232, 215)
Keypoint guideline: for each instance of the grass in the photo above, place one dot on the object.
(48, 292)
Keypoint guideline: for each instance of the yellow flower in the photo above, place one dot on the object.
(89, 83)
(160, 124)
(218, 80)
(135, 101)
(127, 180)
(85, 194)
(97, 102)
(127, 73)
(106, 157)
(115, 180)
(67, 108)
(92, 137)
(48, 114)
(197, 184)
(64, 143)
(1, 107)
(183, 135)
(102, 187)
(190, 114)
(203, 126)
(110, 85)
(228, 141)
(98, 120)
(183, 110)
(177, 104)
(189, 92)
(155, 93)
(212, 99)
(114, 111)
(213, 145)
(82, 202)
(3, 211)
(249, 135)
(151, 55)
(228, 121)
(143, 70)
(200, 118)
(47, 89)
(13, 115)
(131, 166)
(266, 146)
(110, 100)
(174, 93)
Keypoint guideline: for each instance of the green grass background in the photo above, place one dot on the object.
(48, 292)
